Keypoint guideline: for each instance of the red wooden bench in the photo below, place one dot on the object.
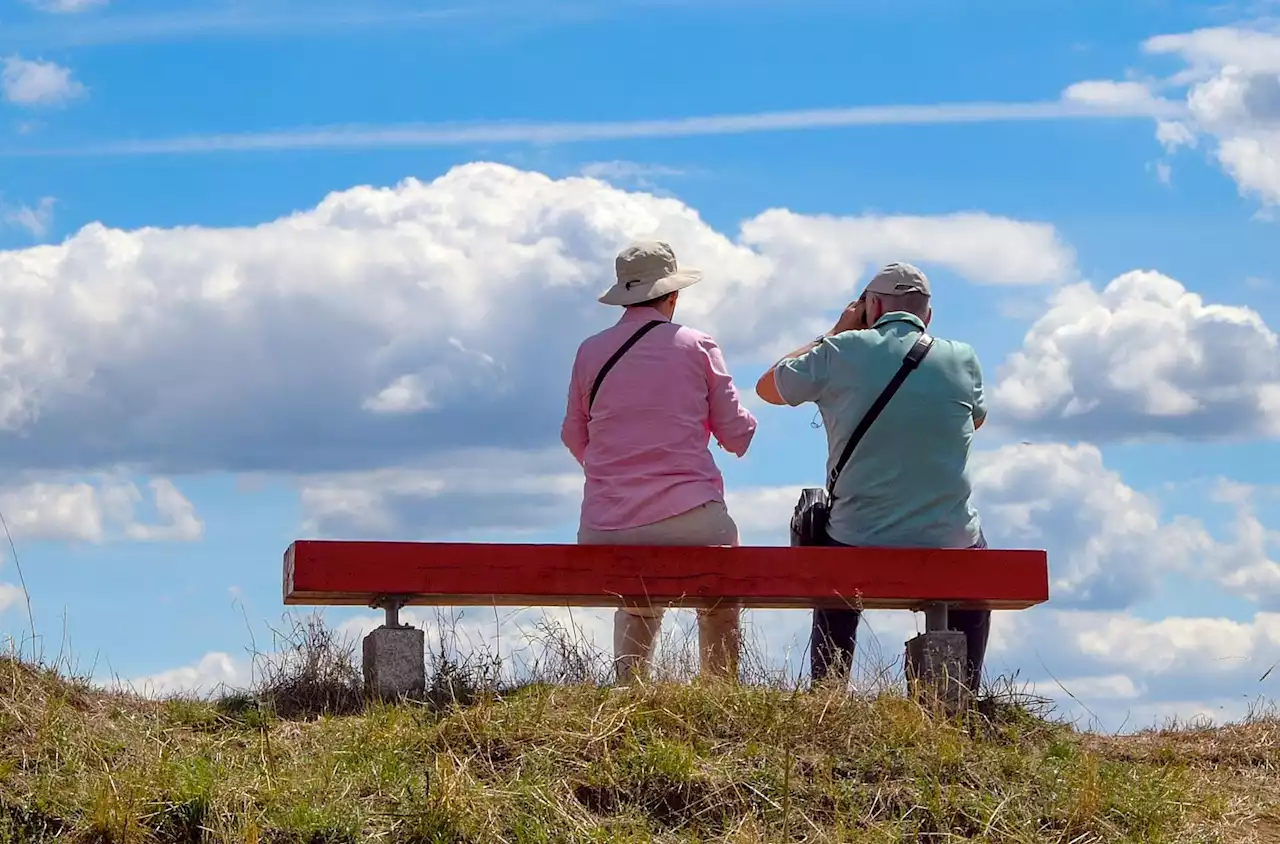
(392, 575)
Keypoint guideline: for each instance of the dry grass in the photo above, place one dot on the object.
(306, 759)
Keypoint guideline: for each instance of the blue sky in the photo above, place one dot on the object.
(239, 361)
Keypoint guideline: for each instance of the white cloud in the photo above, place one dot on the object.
(287, 345)
(36, 219)
(406, 394)
(214, 672)
(1109, 687)
(979, 246)
(177, 520)
(1254, 162)
(1232, 93)
(1208, 50)
(37, 83)
(1173, 134)
(10, 595)
(484, 493)
(475, 492)
(1108, 546)
(1244, 565)
(100, 511)
(1122, 97)
(1143, 357)
(763, 514)
(1183, 661)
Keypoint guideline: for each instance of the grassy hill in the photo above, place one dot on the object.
(304, 759)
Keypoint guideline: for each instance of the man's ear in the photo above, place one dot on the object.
(928, 316)
(873, 310)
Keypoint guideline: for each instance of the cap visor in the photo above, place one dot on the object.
(619, 295)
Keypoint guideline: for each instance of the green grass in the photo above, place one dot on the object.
(568, 763)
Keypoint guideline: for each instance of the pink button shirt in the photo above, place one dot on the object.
(644, 448)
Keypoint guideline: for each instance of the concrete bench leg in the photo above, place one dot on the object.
(395, 657)
(936, 662)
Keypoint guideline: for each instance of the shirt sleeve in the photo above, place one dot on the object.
(573, 431)
(732, 424)
(979, 399)
(801, 379)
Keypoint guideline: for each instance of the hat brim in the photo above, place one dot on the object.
(620, 295)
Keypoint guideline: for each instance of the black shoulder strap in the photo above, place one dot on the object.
(631, 341)
(910, 362)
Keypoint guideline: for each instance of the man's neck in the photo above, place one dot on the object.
(646, 312)
(898, 316)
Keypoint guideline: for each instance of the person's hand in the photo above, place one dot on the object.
(854, 317)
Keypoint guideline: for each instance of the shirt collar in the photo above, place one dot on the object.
(640, 314)
(900, 316)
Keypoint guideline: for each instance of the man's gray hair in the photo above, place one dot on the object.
(912, 302)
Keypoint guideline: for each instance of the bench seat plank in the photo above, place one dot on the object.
(345, 573)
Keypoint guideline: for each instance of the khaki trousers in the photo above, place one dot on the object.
(635, 629)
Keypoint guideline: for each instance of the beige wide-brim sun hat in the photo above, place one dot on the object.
(647, 270)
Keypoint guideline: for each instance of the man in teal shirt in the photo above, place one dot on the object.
(907, 483)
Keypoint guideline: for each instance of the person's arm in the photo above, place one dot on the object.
(731, 423)
(979, 398)
(573, 431)
(805, 369)
(767, 386)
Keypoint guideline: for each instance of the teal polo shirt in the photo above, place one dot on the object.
(907, 483)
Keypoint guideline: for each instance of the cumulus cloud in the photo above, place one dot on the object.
(214, 672)
(176, 516)
(10, 595)
(1143, 357)
(97, 510)
(763, 514)
(1230, 88)
(1138, 671)
(28, 82)
(1245, 565)
(386, 325)
(484, 493)
(470, 493)
(1108, 545)
(1173, 134)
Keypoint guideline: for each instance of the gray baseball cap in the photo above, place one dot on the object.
(895, 279)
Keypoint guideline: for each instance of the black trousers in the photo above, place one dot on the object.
(835, 633)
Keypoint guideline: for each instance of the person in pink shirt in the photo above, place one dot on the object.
(645, 397)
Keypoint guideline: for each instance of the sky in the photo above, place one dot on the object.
(277, 270)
